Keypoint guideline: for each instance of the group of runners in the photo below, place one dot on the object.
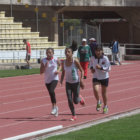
(75, 72)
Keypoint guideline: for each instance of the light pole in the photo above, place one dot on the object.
(11, 7)
(36, 17)
(63, 28)
(100, 39)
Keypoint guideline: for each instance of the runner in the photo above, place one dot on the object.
(100, 66)
(49, 68)
(70, 67)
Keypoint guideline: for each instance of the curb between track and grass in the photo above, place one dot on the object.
(88, 124)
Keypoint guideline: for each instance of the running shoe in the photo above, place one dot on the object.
(99, 105)
(85, 77)
(56, 111)
(82, 102)
(73, 118)
(105, 110)
(53, 111)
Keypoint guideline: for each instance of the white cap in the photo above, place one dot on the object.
(92, 39)
(84, 40)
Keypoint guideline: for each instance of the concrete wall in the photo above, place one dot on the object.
(77, 2)
(129, 33)
(120, 31)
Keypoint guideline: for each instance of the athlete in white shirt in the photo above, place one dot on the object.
(49, 66)
(70, 68)
(100, 67)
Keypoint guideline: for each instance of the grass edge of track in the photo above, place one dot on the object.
(18, 72)
(125, 128)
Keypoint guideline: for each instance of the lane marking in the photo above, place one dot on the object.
(87, 124)
(64, 100)
(63, 93)
(42, 85)
(77, 109)
(35, 133)
(25, 77)
(31, 99)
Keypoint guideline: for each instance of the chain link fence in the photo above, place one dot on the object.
(78, 32)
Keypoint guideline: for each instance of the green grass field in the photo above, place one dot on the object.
(19, 72)
(123, 129)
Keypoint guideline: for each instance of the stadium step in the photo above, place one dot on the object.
(2, 14)
(12, 34)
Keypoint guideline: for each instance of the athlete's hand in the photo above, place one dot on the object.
(92, 70)
(98, 66)
(82, 84)
(56, 72)
(61, 83)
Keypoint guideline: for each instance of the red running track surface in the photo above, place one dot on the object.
(25, 104)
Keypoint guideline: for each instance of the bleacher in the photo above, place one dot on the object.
(12, 35)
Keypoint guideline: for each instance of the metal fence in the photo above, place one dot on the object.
(132, 49)
(125, 49)
(17, 55)
(78, 32)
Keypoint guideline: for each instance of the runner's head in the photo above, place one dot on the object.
(24, 41)
(99, 51)
(68, 52)
(49, 53)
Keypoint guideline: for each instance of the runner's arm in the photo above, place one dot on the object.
(106, 67)
(79, 67)
(62, 74)
(82, 73)
(42, 68)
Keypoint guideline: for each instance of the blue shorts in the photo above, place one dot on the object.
(103, 82)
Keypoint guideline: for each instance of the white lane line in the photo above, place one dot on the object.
(26, 77)
(39, 86)
(36, 91)
(122, 74)
(42, 82)
(24, 93)
(20, 83)
(60, 94)
(4, 90)
(35, 133)
(77, 109)
(113, 79)
(122, 83)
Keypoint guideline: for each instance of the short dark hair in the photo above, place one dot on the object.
(70, 49)
(99, 47)
(50, 49)
(24, 40)
(73, 47)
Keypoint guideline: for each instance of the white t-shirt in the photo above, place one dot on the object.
(104, 63)
(71, 73)
(50, 70)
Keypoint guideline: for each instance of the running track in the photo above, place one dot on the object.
(25, 104)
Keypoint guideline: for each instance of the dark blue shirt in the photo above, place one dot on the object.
(115, 48)
(92, 48)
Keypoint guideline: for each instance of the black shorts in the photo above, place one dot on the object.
(103, 82)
